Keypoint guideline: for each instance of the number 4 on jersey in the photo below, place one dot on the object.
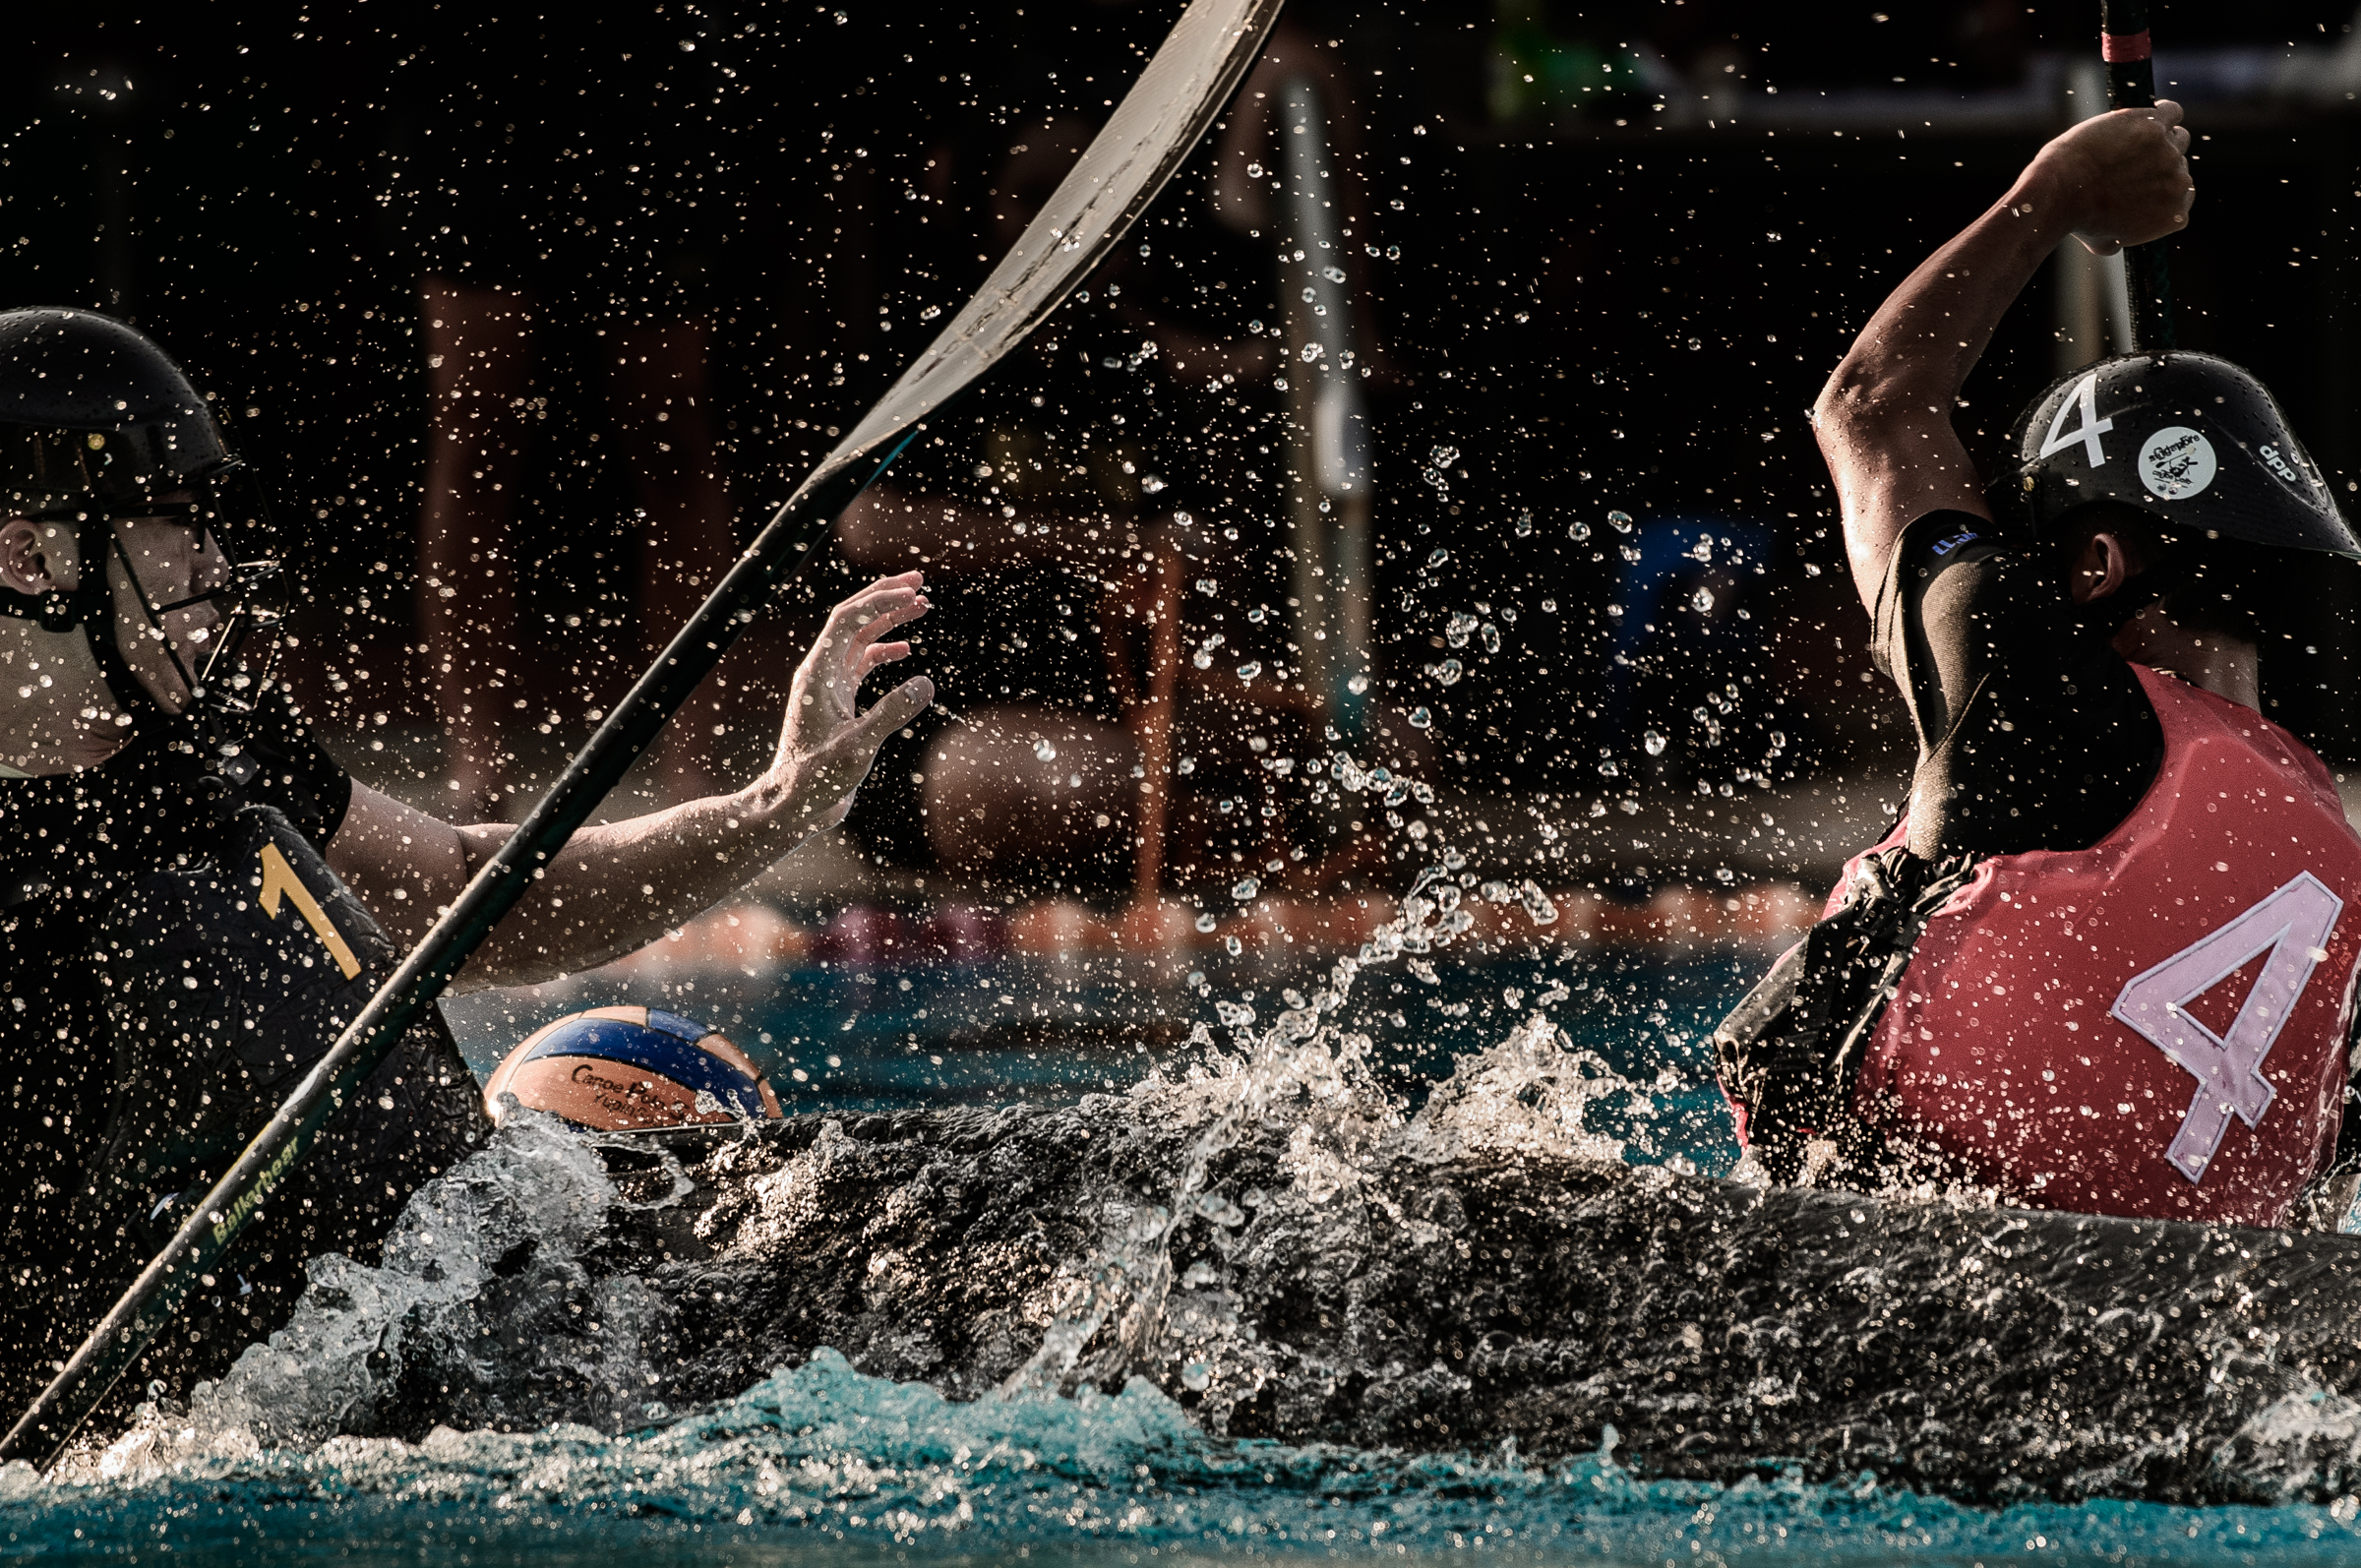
(2294, 924)
(278, 877)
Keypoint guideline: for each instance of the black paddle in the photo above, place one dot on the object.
(2123, 42)
(1155, 127)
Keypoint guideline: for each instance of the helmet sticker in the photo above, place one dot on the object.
(2085, 398)
(2278, 464)
(2176, 462)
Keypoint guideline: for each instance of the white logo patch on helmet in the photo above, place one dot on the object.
(2176, 462)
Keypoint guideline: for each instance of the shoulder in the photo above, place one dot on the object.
(294, 771)
(1932, 544)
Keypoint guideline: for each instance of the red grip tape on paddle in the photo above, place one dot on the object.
(2122, 49)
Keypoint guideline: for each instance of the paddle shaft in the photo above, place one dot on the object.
(784, 544)
(2132, 85)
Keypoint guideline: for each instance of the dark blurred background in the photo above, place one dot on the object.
(1611, 253)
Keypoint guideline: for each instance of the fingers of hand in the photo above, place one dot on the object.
(893, 711)
(891, 612)
(880, 654)
(902, 579)
(865, 617)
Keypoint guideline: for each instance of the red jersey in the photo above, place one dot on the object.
(2153, 1026)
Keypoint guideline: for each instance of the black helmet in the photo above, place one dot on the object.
(2192, 441)
(95, 417)
(97, 423)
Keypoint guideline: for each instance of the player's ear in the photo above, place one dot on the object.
(2105, 563)
(31, 560)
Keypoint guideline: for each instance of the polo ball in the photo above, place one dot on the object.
(624, 1070)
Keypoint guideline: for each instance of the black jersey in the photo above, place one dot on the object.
(2033, 731)
(177, 954)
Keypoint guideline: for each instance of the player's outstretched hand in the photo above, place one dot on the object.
(826, 745)
(2123, 176)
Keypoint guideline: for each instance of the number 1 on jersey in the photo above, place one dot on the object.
(279, 877)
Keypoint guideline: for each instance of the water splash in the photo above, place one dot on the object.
(509, 1224)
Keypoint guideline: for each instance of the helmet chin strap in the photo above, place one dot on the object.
(93, 607)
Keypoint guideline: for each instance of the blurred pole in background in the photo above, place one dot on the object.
(1328, 445)
(2125, 46)
(2094, 306)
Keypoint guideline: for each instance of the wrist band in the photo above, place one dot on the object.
(2123, 47)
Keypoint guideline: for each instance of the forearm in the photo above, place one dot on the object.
(1884, 418)
(621, 885)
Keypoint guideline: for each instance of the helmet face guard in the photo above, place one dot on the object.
(250, 591)
(2190, 440)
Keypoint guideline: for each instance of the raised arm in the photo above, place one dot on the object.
(1884, 418)
(621, 885)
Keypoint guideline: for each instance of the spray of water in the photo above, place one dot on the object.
(1308, 1072)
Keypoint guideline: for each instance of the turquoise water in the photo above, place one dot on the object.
(825, 1464)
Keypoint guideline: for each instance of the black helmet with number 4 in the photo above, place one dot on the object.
(2190, 440)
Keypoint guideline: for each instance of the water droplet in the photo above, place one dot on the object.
(1251, 669)
(1443, 457)
(1234, 945)
(1549, 607)
(1437, 559)
(1357, 684)
(1203, 660)
(1420, 719)
(1492, 637)
(1610, 768)
(1579, 532)
(1246, 888)
(1621, 520)
(1446, 673)
(1778, 740)
(1393, 253)
(1208, 585)
(1186, 767)
(1524, 523)
(1703, 599)
(1538, 904)
(1197, 1376)
(1205, 923)
(1045, 751)
(1654, 741)
(1459, 629)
